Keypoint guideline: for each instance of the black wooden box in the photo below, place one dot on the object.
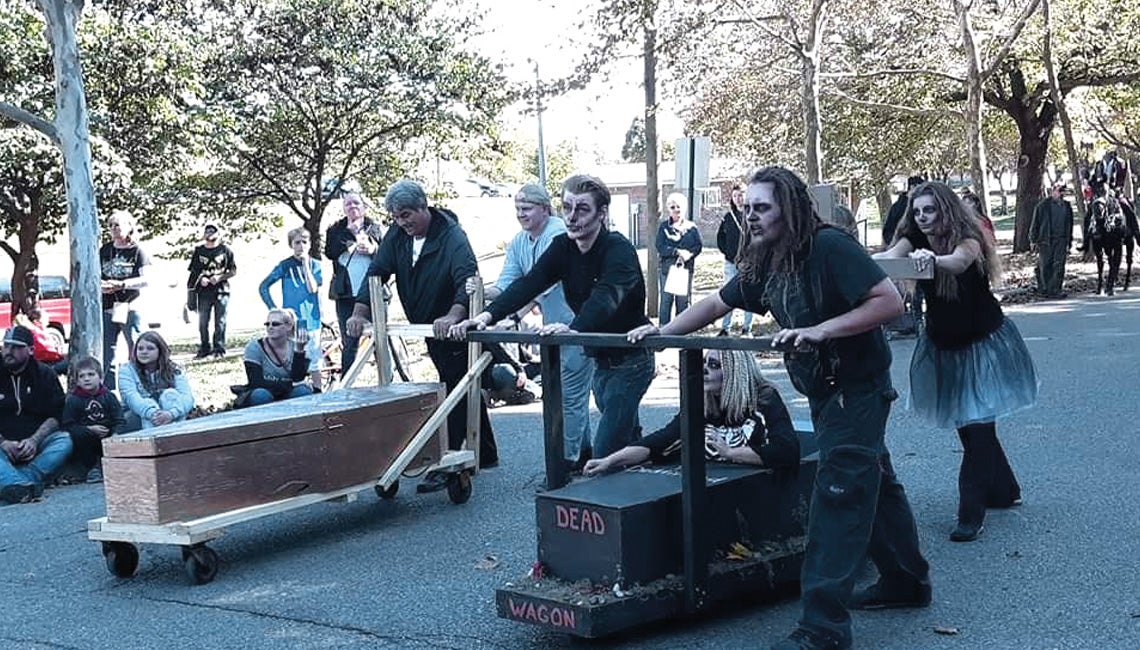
(626, 527)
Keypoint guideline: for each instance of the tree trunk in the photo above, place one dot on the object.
(973, 114)
(1059, 102)
(1030, 173)
(652, 200)
(813, 127)
(26, 264)
(74, 143)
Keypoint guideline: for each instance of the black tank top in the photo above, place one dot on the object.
(952, 324)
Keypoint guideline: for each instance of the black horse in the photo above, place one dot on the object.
(1112, 230)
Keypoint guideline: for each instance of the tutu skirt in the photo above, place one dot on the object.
(981, 382)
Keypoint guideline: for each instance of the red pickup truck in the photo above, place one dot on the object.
(55, 302)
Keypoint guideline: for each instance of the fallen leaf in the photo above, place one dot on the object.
(487, 563)
(945, 629)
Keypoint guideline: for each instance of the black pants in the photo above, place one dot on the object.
(858, 507)
(217, 303)
(86, 449)
(450, 360)
(985, 477)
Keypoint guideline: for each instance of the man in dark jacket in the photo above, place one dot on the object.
(1051, 233)
(728, 242)
(211, 267)
(898, 209)
(431, 258)
(32, 447)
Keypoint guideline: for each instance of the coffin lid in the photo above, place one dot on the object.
(284, 418)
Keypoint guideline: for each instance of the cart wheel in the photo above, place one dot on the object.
(122, 558)
(390, 492)
(459, 487)
(201, 563)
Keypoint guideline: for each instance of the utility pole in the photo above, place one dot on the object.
(541, 147)
(652, 199)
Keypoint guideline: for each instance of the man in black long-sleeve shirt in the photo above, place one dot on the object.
(605, 288)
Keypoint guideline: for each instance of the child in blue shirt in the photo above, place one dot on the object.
(300, 277)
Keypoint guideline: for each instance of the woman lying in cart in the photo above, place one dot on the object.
(746, 421)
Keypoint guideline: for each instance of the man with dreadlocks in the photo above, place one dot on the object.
(745, 421)
(831, 299)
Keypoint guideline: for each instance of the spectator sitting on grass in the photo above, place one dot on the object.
(155, 391)
(90, 414)
(276, 364)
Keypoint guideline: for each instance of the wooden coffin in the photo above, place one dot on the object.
(262, 454)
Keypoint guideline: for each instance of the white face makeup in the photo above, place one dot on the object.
(762, 214)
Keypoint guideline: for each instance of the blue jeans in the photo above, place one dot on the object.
(216, 302)
(111, 331)
(668, 300)
(50, 457)
(577, 375)
(731, 272)
(858, 507)
(260, 396)
(618, 388)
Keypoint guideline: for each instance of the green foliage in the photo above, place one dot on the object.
(634, 148)
(305, 90)
(560, 165)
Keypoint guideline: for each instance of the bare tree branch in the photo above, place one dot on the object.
(1088, 82)
(892, 71)
(1010, 39)
(910, 110)
(763, 26)
(27, 118)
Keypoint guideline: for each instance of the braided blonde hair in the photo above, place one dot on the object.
(740, 390)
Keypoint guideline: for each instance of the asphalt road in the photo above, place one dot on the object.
(1058, 572)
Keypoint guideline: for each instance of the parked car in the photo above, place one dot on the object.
(55, 303)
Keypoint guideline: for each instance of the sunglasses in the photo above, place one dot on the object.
(274, 323)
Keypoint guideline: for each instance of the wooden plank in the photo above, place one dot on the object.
(203, 529)
(379, 307)
(474, 396)
(694, 497)
(553, 424)
(437, 423)
(902, 268)
(358, 364)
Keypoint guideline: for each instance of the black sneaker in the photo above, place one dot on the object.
(802, 639)
(13, 494)
(202, 354)
(881, 596)
(966, 532)
(433, 482)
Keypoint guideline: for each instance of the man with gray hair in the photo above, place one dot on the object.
(431, 258)
(539, 228)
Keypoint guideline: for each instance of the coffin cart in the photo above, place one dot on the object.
(653, 543)
(185, 483)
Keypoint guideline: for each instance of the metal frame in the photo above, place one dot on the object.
(693, 488)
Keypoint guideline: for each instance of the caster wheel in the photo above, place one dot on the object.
(201, 563)
(459, 487)
(390, 492)
(122, 558)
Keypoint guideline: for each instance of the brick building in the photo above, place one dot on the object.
(630, 215)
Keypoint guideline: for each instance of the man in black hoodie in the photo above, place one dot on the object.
(431, 258)
(898, 209)
(32, 447)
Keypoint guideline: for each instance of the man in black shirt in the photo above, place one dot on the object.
(211, 267)
(431, 258)
(605, 288)
(831, 299)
